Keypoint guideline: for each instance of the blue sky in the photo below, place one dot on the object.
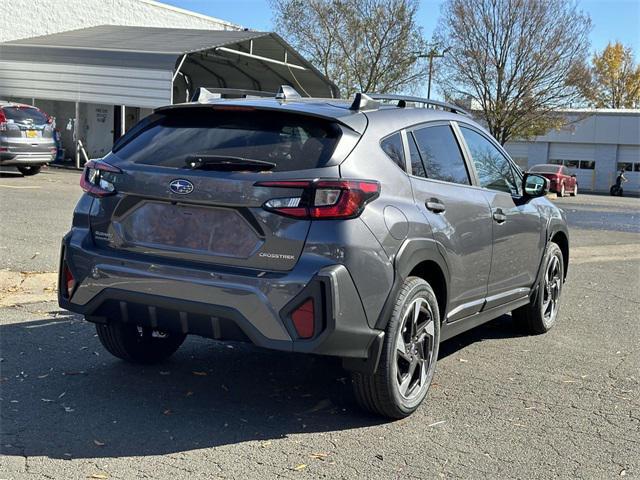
(613, 19)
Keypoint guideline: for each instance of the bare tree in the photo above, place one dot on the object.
(520, 60)
(362, 45)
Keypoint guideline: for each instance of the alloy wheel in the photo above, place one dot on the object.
(414, 349)
(552, 288)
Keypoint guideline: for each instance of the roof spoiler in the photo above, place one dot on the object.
(287, 92)
(205, 95)
(362, 101)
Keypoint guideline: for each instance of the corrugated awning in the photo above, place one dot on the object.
(135, 66)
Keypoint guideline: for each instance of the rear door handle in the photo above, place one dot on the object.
(434, 205)
(499, 216)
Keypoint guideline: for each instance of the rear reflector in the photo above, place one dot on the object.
(303, 319)
(69, 281)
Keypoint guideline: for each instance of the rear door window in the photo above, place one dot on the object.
(25, 116)
(290, 141)
(441, 155)
(394, 149)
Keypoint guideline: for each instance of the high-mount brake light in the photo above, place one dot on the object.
(98, 177)
(323, 199)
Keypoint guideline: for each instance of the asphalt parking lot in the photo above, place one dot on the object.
(503, 405)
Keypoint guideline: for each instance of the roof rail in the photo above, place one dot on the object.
(403, 99)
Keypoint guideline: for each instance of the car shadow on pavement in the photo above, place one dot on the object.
(63, 396)
(502, 327)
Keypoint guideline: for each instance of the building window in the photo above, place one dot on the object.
(580, 164)
(636, 167)
(587, 164)
(626, 166)
(571, 163)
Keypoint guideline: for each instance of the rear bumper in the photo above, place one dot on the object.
(24, 158)
(226, 304)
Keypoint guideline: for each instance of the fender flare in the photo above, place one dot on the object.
(412, 252)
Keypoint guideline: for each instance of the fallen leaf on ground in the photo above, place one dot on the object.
(98, 476)
(167, 412)
(46, 400)
(43, 376)
(200, 374)
(437, 423)
(462, 360)
(99, 443)
(165, 373)
(319, 455)
(188, 394)
(224, 387)
(300, 467)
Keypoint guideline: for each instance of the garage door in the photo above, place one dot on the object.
(629, 160)
(579, 159)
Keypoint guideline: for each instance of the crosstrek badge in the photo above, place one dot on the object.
(281, 256)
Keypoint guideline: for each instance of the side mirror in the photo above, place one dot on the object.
(535, 185)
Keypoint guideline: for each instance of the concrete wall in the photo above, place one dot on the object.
(30, 18)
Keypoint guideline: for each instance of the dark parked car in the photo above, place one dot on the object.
(369, 230)
(26, 137)
(561, 180)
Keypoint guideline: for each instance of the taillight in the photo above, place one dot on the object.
(323, 199)
(303, 319)
(98, 177)
(3, 121)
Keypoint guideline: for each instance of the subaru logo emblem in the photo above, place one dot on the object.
(181, 187)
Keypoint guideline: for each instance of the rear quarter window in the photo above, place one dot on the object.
(292, 142)
(394, 149)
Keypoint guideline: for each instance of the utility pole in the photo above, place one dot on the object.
(431, 54)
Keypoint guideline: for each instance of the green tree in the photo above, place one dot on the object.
(520, 60)
(362, 45)
(615, 78)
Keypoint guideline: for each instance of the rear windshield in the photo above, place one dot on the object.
(291, 142)
(544, 169)
(24, 115)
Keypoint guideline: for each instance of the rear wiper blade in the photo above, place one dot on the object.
(227, 163)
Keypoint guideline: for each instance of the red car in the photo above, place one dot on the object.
(562, 181)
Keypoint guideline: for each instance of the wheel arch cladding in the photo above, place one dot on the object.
(561, 239)
(419, 257)
(431, 272)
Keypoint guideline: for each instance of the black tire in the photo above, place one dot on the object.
(29, 170)
(381, 392)
(137, 344)
(536, 316)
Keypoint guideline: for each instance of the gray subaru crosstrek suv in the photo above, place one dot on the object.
(369, 230)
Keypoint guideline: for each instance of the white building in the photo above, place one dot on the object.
(99, 66)
(594, 145)
(34, 18)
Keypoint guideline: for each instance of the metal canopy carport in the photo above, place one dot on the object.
(149, 67)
